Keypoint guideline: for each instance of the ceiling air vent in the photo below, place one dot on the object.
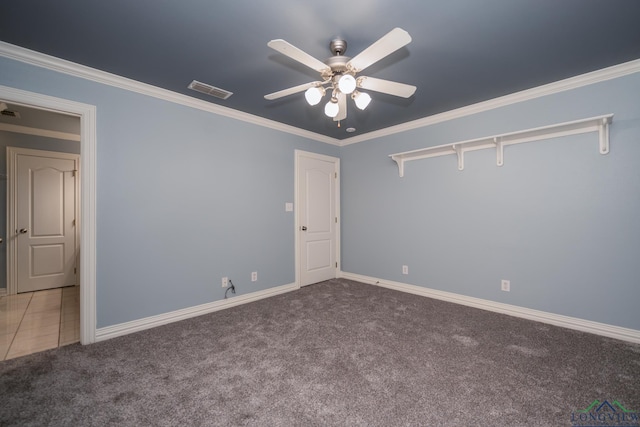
(9, 113)
(209, 90)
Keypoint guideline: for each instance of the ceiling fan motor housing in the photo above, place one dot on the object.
(338, 62)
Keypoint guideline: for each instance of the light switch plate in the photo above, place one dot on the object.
(288, 207)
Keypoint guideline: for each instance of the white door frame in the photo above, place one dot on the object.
(87, 115)
(12, 208)
(296, 204)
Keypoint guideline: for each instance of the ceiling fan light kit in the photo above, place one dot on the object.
(332, 109)
(339, 73)
(361, 99)
(347, 84)
(314, 95)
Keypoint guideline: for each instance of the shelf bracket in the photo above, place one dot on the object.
(603, 131)
(460, 154)
(400, 162)
(499, 151)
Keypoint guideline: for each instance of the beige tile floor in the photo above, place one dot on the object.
(38, 321)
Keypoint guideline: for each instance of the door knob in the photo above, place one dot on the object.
(304, 228)
(23, 231)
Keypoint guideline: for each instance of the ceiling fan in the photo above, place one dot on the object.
(339, 74)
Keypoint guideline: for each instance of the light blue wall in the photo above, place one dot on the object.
(184, 197)
(10, 139)
(559, 220)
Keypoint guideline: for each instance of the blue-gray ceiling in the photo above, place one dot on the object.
(463, 51)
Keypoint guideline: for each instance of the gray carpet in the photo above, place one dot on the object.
(336, 353)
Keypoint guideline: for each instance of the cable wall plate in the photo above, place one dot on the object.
(598, 124)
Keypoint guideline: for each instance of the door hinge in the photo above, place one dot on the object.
(336, 265)
(74, 172)
(75, 270)
(336, 220)
(335, 175)
(74, 222)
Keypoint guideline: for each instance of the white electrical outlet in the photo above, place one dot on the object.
(254, 276)
(225, 282)
(405, 269)
(505, 285)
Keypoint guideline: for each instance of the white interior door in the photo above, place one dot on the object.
(44, 228)
(317, 178)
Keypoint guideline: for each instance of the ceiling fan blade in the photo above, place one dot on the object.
(302, 57)
(386, 86)
(342, 105)
(290, 91)
(387, 44)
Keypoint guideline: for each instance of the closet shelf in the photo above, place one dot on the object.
(598, 124)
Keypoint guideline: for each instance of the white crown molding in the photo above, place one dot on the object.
(70, 68)
(60, 65)
(39, 132)
(582, 80)
(611, 331)
(126, 328)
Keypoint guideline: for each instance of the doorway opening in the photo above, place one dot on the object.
(87, 206)
(41, 309)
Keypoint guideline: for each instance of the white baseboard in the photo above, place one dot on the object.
(611, 331)
(120, 329)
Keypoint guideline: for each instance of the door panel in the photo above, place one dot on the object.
(319, 255)
(46, 259)
(47, 197)
(319, 203)
(317, 216)
(45, 211)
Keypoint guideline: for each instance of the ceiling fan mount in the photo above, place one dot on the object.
(338, 47)
(339, 73)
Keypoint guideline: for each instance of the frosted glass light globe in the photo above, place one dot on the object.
(362, 100)
(313, 95)
(347, 84)
(331, 109)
